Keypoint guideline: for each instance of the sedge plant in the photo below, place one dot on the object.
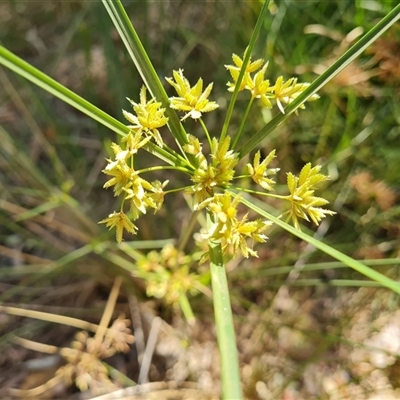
(216, 183)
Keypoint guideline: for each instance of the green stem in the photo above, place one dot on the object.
(183, 158)
(206, 132)
(162, 168)
(239, 132)
(177, 189)
(230, 376)
(242, 176)
(256, 31)
(186, 233)
(186, 308)
(276, 196)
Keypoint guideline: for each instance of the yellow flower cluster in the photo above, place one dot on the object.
(259, 172)
(149, 117)
(303, 202)
(230, 230)
(167, 274)
(260, 88)
(210, 175)
(191, 100)
(126, 181)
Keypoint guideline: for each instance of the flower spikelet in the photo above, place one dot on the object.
(149, 117)
(234, 70)
(231, 231)
(155, 196)
(194, 147)
(136, 193)
(122, 175)
(286, 92)
(224, 160)
(192, 100)
(118, 337)
(303, 202)
(119, 221)
(259, 171)
(218, 173)
(134, 142)
(260, 88)
(167, 274)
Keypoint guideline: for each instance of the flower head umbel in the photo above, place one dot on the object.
(139, 193)
(167, 274)
(232, 231)
(259, 172)
(234, 70)
(286, 92)
(191, 100)
(259, 87)
(303, 202)
(121, 222)
(149, 117)
(83, 358)
(210, 175)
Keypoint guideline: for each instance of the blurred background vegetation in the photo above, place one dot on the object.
(310, 330)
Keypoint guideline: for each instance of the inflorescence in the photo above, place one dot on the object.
(211, 173)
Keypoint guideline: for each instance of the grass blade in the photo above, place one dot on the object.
(21, 67)
(356, 265)
(246, 58)
(143, 64)
(323, 79)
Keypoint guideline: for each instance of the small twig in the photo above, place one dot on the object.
(24, 394)
(58, 319)
(108, 311)
(148, 354)
(137, 326)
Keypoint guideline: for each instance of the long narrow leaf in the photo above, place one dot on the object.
(356, 265)
(323, 79)
(32, 74)
(321, 266)
(256, 31)
(143, 64)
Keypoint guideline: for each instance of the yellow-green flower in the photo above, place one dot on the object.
(218, 173)
(286, 92)
(135, 142)
(149, 117)
(194, 147)
(234, 70)
(247, 229)
(259, 87)
(135, 192)
(119, 221)
(155, 198)
(303, 202)
(191, 100)
(121, 173)
(167, 274)
(259, 172)
(232, 232)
